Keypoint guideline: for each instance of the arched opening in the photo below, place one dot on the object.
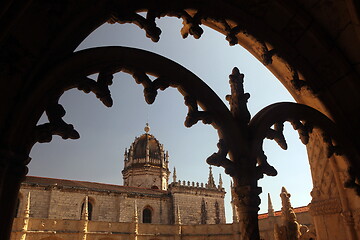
(147, 215)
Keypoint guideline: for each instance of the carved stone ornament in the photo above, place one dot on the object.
(241, 137)
(329, 206)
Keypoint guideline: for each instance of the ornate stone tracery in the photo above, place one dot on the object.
(246, 164)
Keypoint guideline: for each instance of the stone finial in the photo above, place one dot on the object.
(211, 181)
(288, 216)
(167, 156)
(271, 211)
(174, 175)
(220, 182)
(147, 128)
(285, 199)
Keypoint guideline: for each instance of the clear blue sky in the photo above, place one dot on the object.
(106, 132)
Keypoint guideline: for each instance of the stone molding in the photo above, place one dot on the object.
(324, 207)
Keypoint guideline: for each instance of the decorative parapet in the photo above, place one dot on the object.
(196, 185)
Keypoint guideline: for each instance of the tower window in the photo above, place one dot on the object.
(147, 215)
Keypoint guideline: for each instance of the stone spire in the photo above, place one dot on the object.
(220, 182)
(174, 175)
(211, 181)
(271, 211)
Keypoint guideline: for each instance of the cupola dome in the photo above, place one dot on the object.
(146, 163)
(146, 142)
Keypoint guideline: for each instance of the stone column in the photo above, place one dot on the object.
(247, 203)
(13, 170)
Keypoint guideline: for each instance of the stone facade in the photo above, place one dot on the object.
(146, 197)
(113, 215)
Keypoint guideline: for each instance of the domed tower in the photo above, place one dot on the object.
(146, 163)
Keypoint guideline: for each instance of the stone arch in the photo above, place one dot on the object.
(97, 58)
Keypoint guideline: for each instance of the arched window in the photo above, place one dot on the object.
(147, 215)
(90, 208)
